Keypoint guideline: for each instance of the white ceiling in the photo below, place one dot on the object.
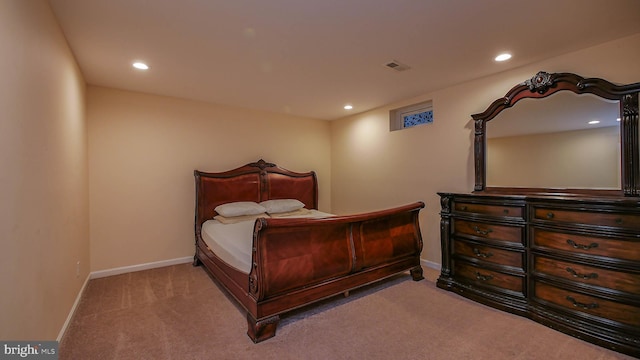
(311, 57)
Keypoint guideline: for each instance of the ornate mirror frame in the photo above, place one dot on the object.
(544, 84)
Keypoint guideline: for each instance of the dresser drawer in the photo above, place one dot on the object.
(582, 244)
(488, 253)
(492, 210)
(488, 231)
(629, 221)
(484, 277)
(621, 281)
(606, 309)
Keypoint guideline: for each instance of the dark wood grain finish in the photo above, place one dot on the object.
(591, 275)
(487, 254)
(301, 261)
(485, 277)
(602, 308)
(488, 231)
(618, 220)
(297, 253)
(560, 265)
(586, 244)
(492, 210)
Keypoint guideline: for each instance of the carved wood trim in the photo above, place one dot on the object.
(630, 154)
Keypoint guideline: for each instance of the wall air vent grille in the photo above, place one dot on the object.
(397, 65)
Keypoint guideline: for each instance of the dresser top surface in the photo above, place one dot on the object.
(616, 200)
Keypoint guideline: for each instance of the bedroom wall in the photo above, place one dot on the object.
(374, 168)
(142, 153)
(44, 204)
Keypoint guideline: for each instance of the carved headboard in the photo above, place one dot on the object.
(258, 181)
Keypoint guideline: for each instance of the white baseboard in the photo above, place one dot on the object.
(73, 310)
(116, 271)
(431, 264)
(140, 267)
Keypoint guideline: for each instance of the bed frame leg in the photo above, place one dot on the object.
(416, 273)
(262, 330)
(196, 261)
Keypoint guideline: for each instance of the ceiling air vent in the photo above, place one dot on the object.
(397, 65)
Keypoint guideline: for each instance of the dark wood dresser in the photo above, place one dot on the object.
(570, 263)
(556, 241)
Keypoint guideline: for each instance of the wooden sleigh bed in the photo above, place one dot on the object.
(298, 261)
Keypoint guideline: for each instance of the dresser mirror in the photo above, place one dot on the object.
(574, 138)
(546, 143)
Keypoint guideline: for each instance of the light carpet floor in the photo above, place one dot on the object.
(178, 312)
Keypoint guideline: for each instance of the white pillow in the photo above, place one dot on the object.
(282, 205)
(240, 208)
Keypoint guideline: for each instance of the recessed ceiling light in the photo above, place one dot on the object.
(503, 57)
(593, 122)
(140, 65)
(348, 107)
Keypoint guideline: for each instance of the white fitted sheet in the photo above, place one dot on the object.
(232, 242)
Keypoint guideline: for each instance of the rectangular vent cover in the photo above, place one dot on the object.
(397, 65)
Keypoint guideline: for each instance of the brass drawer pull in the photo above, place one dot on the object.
(479, 253)
(619, 221)
(550, 215)
(505, 211)
(482, 232)
(581, 276)
(580, 246)
(463, 208)
(582, 305)
(483, 277)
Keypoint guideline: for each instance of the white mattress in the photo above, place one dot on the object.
(232, 242)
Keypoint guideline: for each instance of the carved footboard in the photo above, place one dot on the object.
(300, 261)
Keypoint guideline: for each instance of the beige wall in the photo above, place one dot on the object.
(136, 164)
(373, 168)
(142, 153)
(588, 159)
(43, 182)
